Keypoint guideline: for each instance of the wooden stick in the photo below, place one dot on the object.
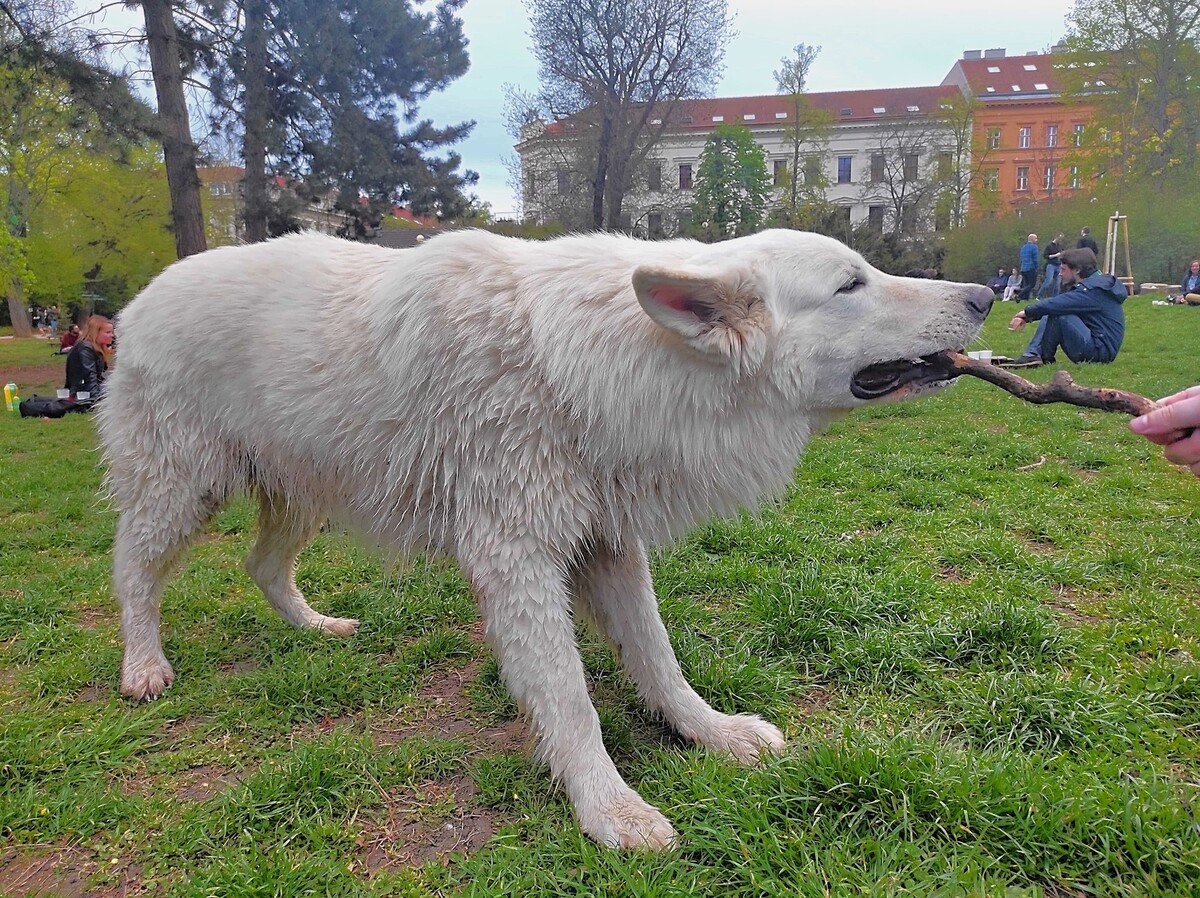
(1060, 389)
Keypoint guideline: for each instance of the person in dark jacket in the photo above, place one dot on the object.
(1029, 266)
(1086, 242)
(1086, 320)
(1050, 282)
(89, 359)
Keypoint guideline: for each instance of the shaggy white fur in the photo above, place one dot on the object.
(540, 412)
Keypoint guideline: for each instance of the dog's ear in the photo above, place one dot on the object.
(718, 314)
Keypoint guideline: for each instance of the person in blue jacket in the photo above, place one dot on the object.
(1029, 266)
(1087, 319)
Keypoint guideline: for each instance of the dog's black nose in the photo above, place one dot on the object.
(981, 300)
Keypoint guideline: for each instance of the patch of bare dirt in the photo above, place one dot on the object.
(1040, 545)
(64, 871)
(91, 618)
(443, 709)
(209, 781)
(1071, 606)
(238, 667)
(29, 376)
(431, 822)
(817, 700)
(952, 575)
(1088, 475)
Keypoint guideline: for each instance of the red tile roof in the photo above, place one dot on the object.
(1031, 75)
(775, 109)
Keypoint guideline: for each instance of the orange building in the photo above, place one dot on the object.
(1028, 137)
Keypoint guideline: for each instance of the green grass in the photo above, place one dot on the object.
(989, 677)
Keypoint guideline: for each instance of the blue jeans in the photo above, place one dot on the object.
(1067, 331)
(1050, 281)
(1028, 279)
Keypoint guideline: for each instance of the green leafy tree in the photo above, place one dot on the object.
(732, 186)
(1137, 62)
(329, 93)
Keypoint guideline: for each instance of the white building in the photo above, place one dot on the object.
(878, 144)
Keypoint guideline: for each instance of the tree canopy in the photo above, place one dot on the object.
(732, 186)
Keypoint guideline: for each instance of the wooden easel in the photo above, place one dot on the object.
(1116, 224)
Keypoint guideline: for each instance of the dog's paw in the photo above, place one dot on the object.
(628, 822)
(745, 737)
(146, 680)
(338, 626)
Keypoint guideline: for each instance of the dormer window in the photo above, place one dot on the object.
(1030, 68)
(779, 115)
(749, 116)
(880, 110)
(1040, 86)
(914, 108)
(994, 69)
(718, 118)
(846, 110)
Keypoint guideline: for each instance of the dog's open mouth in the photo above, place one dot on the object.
(879, 380)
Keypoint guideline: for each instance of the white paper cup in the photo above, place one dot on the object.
(973, 355)
(63, 394)
(83, 395)
(985, 356)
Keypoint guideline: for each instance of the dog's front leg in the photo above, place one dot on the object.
(528, 623)
(615, 585)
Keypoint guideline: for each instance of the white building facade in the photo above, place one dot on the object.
(879, 149)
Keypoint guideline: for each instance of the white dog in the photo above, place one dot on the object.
(540, 412)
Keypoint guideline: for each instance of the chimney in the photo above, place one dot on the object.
(972, 54)
(1060, 47)
(994, 53)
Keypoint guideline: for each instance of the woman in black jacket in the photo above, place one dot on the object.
(88, 361)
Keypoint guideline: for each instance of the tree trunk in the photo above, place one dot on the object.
(179, 153)
(22, 326)
(254, 143)
(603, 148)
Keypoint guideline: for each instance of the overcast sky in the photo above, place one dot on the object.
(864, 43)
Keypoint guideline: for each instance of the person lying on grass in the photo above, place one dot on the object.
(1086, 319)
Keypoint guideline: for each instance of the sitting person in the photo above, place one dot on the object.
(1086, 320)
(1014, 286)
(90, 358)
(68, 339)
(1190, 288)
(999, 282)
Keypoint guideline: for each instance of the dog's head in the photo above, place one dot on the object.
(812, 318)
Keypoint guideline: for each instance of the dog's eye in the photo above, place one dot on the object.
(851, 285)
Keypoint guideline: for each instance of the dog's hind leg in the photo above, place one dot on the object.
(526, 609)
(159, 515)
(283, 532)
(615, 586)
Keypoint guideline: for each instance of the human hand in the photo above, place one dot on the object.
(1017, 323)
(1172, 425)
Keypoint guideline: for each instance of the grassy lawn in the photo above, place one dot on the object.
(977, 621)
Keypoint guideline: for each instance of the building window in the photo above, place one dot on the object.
(812, 170)
(846, 217)
(780, 172)
(1048, 178)
(654, 225)
(991, 179)
(564, 181)
(844, 169)
(993, 138)
(1079, 135)
(1074, 182)
(941, 219)
(219, 188)
(1023, 177)
(1052, 135)
(654, 177)
(875, 217)
(1023, 137)
(685, 176)
(876, 167)
(945, 166)
(910, 166)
